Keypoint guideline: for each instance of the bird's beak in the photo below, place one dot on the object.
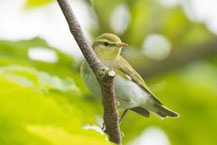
(121, 44)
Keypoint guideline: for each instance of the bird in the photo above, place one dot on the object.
(131, 91)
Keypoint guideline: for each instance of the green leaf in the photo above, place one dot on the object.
(16, 52)
(35, 108)
(58, 136)
(36, 3)
(31, 77)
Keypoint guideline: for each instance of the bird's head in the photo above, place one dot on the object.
(108, 46)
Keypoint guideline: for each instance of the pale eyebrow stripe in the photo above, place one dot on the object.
(111, 44)
(95, 44)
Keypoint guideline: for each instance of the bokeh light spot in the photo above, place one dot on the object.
(43, 54)
(120, 19)
(156, 47)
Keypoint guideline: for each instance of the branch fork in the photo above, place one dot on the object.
(103, 73)
(106, 75)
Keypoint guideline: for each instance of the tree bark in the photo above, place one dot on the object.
(104, 75)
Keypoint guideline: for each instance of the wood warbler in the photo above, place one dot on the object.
(130, 89)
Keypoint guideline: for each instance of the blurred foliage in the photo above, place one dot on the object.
(148, 16)
(192, 92)
(16, 52)
(40, 101)
(36, 3)
(48, 103)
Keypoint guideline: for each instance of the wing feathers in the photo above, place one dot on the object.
(126, 68)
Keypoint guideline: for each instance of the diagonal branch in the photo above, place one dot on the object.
(178, 59)
(104, 75)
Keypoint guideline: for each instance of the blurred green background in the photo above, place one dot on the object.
(43, 100)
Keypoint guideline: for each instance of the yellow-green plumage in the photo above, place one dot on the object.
(130, 89)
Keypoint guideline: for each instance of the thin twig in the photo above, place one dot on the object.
(104, 75)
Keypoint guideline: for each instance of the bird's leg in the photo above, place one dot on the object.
(122, 116)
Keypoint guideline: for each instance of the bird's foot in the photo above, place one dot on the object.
(122, 134)
(118, 103)
(103, 127)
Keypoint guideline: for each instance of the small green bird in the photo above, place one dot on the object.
(130, 89)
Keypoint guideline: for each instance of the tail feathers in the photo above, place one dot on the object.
(164, 112)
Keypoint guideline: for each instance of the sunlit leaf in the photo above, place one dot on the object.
(28, 96)
(36, 3)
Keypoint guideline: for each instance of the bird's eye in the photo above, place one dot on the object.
(106, 43)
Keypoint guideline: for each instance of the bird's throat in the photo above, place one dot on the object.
(105, 55)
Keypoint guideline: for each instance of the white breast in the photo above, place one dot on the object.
(127, 92)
